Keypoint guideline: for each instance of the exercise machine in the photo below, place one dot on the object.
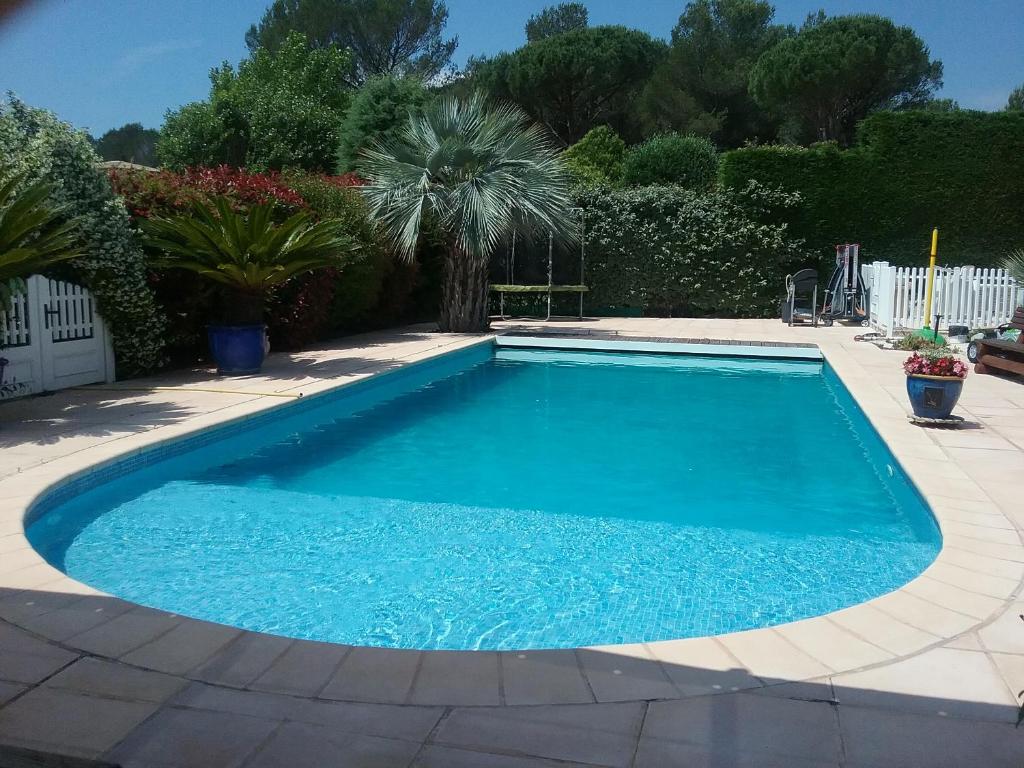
(846, 297)
(801, 302)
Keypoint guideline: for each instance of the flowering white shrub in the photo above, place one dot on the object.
(678, 252)
(35, 142)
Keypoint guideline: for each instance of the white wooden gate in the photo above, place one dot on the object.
(968, 296)
(52, 338)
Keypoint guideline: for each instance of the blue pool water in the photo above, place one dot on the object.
(517, 499)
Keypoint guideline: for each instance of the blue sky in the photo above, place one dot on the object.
(102, 63)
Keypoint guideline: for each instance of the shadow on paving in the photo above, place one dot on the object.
(131, 407)
(88, 416)
(297, 367)
(239, 700)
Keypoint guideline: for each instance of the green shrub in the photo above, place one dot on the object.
(908, 172)
(378, 110)
(310, 307)
(597, 157)
(673, 251)
(359, 283)
(689, 161)
(188, 300)
(35, 143)
(916, 343)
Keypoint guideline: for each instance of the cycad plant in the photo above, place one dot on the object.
(482, 172)
(248, 253)
(34, 233)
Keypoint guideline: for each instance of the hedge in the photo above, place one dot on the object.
(189, 300)
(34, 142)
(371, 290)
(677, 252)
(356, 288)
(690, 161)
(908, 172)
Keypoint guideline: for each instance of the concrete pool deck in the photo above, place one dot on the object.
(924, 676)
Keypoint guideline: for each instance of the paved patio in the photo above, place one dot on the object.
(924, 676)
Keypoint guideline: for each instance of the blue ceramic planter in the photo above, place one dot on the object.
(934, 397)
(237, 349)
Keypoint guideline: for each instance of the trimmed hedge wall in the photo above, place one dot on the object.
(908, 172)
(670, 251)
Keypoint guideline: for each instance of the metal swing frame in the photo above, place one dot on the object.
(550, 289)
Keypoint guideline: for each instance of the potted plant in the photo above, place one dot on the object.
(247, 254)
(934, 383)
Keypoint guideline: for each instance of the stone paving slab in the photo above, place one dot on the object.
(926, 675)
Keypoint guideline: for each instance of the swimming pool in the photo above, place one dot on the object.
(515, 498)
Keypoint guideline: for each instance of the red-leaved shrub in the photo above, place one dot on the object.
(369, 291)
(166, 192)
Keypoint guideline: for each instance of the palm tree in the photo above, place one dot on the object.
(34, 233)
(482, 172)
(248, 254)
(1014, 264)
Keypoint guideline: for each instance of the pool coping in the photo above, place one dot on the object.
(702, 348)
(962, 590)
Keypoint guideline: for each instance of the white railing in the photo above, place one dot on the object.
(69, 312)
(962, 296)
(14, 330)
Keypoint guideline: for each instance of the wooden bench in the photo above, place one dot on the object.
(1001, 354)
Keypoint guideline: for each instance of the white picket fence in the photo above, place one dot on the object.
(962, 295)
(52, 338)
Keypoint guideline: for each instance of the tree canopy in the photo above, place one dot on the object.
(404, 38)
(836, 71)
(557, 20)
(1016, 101)
(577, 80)
(131, 143)
(702, 86)
(278, 110)
(379, 110)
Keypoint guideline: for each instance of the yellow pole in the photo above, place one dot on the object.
(931, 279)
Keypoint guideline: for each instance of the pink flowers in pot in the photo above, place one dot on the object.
(935, 365)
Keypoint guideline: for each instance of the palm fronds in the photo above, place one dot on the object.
(1014, 264)
(484, 171)
(248, 253)
(34, 233)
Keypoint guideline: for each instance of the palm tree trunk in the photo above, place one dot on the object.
(464, 300)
